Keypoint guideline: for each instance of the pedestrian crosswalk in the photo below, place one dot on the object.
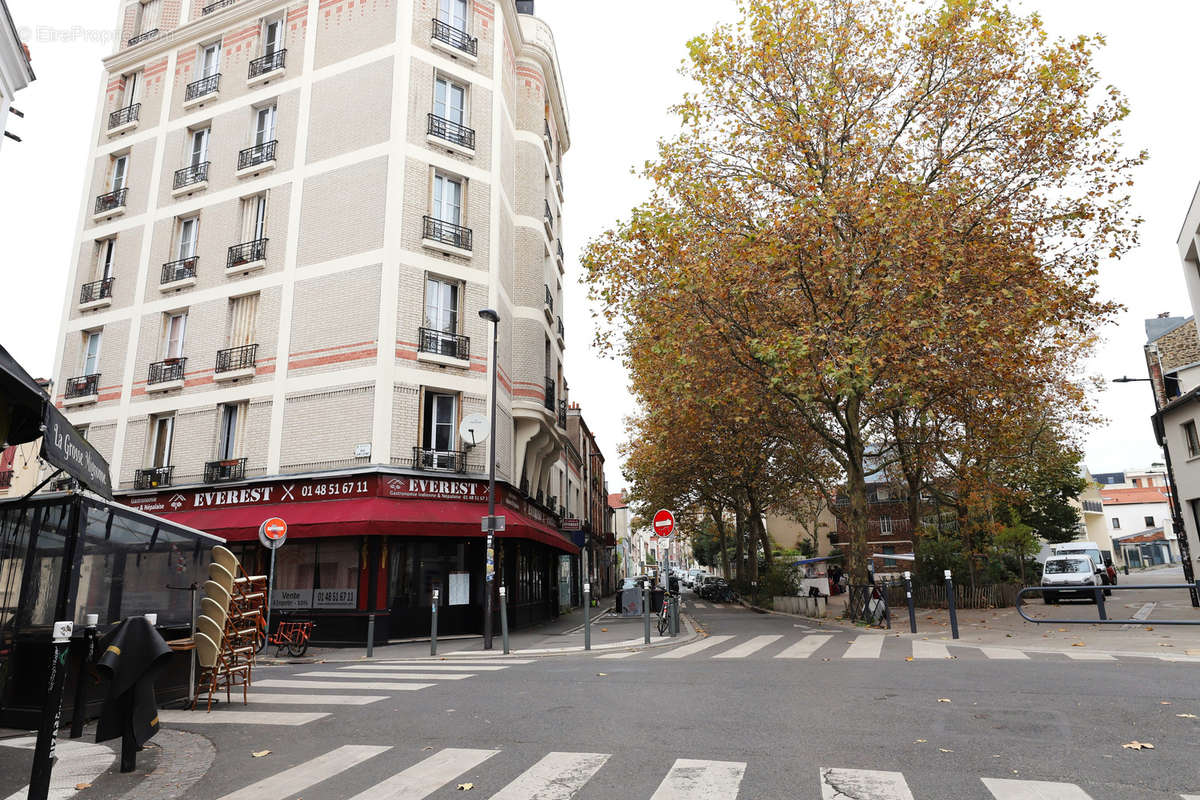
(516, 775)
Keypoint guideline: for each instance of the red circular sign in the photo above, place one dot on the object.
(664, 523)
(274, 528)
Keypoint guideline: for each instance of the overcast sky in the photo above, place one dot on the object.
(620, 62)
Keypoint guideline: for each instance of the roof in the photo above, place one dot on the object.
(617, 500)
(1148, 535)
(1108, 477)
(1158, 327)
(1119, 497)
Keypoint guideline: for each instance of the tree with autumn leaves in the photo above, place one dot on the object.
(876, 235)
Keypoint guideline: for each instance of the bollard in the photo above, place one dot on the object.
(1099, 590)
(504, 617)
(912, 611)
(433, 625)
(370, 635)
(675, 615)
(85, 658)
(1127, 569)
(950, 604)
(646, 610)
(43, 753)
(587, 617)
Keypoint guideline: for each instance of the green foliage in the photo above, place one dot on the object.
(937, 554)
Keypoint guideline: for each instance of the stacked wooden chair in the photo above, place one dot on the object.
(231, 627)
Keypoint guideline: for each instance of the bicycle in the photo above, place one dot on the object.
(293, 636)
(664, 614)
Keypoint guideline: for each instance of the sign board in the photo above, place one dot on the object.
(362, 451)
(474, 429)
(572, 524)
(335, 598)
(664, 523)
(291, 598)
(493, 524)
(65, 448)
(460, 588)
(272, 533)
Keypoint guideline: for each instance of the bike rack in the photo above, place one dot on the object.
(1098, 593)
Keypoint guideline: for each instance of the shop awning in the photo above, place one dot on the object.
(368, 516)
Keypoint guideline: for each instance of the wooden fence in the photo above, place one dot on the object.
(992, 595)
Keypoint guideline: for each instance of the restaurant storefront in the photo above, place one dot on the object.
(376, 542)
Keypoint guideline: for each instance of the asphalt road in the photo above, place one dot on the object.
(731, 709)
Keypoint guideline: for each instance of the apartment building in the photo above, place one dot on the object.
(587, 493)
(16, 72)
(297, 210)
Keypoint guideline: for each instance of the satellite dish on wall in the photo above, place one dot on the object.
(474, 429)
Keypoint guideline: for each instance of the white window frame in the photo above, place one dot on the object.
(438, 204)
(886, 526)
(174, 334)
(446, 94)
(231, 422)
(1116, 523)
(1191, 438)
(259, 134)
(149, 15)
(270, 47)
(436, 310)
(119, 172)
(89, 357)
(106, 257)
(186, 247)
(209, 68)
(443, 458)
(254, 217)
(131, 92)
(445, 13)
(157, 430)
(200, 136)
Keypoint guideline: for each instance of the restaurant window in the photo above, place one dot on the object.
(336, 579)
(294, 568)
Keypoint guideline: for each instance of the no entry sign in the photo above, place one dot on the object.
(272, 533)
(664, 523)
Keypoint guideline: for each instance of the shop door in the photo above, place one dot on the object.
(452, 566)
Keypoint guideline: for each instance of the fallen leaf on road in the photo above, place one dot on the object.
(1186, 716)
(1078, 644)
(79, 787)
(1164, 644)
(466, 787)
(943, 699)
(427, 747)
(920, 741)
(1165, 703)
(604, 630)
(601, 674)
(908, 658)
(1136, 745)
(1062, 630)
(1192, 652)
(260, 754)
(944, 750)
(1149, 627)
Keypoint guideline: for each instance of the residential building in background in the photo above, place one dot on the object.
(1139, 520)
(888, 529)
(588, 492)
(16, 71)
(291, 226)
(20, 465)
(621, 524)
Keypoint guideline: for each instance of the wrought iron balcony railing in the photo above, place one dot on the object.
(1094, 506)
(258, 154)
(546, 133)
(96, 290)
(211, 7)
(561, 257)
(454, 37)
(447, 233)
(562, 330)
(549, 215)
(444, 344)
(452, 132)
(169, 369)
(179, 270)
(197, 173)
(246, 253)
(206, 85)
(549, 299)
(234, 358)
(111, 201)
(562, 414)
(152, 478)
(143, 37)
(268, 63)
(124, 115)
(558, 175)
(445, 460)
(550, 391)
(83, 386)
(6, 478)
(230, 469)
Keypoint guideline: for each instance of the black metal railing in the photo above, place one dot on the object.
(444, 32)
(83, 386)
(169, 369)
(142, 37)
(562, 414)
(562, 329)
(96, 290)
(1094, 506)
(211, 7)
(246, 253)
(124, 115)
(197, 173)
(233, 358)
(230, 469)
(6, 478)
(558, 175)
(550, 390)
(546, 133)
(561, 256)
(111, 201)
(152, 478)
(179, 270)
(258, 154)
(447, 460)
(204, 86)
(444, 344)
(549, 299)
(268, 63)
(549, 215)
(447, 233)
(452, 132)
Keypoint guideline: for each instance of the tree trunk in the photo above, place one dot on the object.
(856, 489)
(739, 542)
(760, 530)
(719, 518)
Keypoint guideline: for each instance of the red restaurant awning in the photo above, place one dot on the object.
(377, 516)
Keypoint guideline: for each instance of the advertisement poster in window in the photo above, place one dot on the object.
(335, 598)
(460, 588)
(291, 598)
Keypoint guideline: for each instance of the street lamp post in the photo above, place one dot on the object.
(489, 557)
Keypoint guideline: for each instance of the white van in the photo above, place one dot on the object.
(1092, 551)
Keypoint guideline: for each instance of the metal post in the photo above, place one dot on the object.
(433, 625)
(912, 611)
(489, 565)
(270, 589)
(950, 604)
(675, 615)
(504, 617)
(43, 756)
(646, 610)
(85, 656)
(370, 635)
(587, 615)
(1099, 590)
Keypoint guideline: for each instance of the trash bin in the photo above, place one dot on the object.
(656, 600)
(131, 656)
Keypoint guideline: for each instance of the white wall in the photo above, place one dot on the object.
(1132, 517)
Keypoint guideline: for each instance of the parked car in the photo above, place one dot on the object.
(1102, 559)
(1069, 576)
(716, 590)
(698, 581)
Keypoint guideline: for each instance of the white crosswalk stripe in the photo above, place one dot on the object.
(282, 683)
(755, 644)
(869, 645)
(448, 661)
(423, 779)
(297, 779)
(558, 776)
(694, 604)
(923, 649)
(1006, 789)
(626, 654)
(264, 698)
(1004, 653)
(388, 666)
(701, 780)
(695, 647)
(227, 717)
(851, 784)
(393, 676)
(805, 647)
(1082, 656)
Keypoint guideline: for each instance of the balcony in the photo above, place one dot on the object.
(247, 256)
(152, 478)
(96, 294)
(558, 177)
(562, 414)
(165, 375)
(559, 252)
(1093, 506)
(441, 460)
(230, 469)
(548, 217)
(143, 37)
(198, 90)
(124, 118)
(446, 236)
(447, 345)
(236, 362)
(6, 478)
(550, 391)
(190, 179)
(548, 306)
(83, 389)
(178, 274)
(265, 68)
(211, 7)
(460, 136)
(256, 158)
(111, 204)
(562, 332)
(549, 140)
(454, 38)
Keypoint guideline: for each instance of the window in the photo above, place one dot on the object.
(447, 199)
(174, 327)
(91, 352)
(132, 93)
(120, 165)
(453, 13)
(148, 15)
(106, 250)
(450, 101)
(272, 36)
(189, 232)
(264, 125)
(210, 60)
(199, 153)
(885, 526)
(254, 217)
(163, 433)
(441, 419)
(1149, 521)
(1116, 523)
(882, 494)
(1193, 440)
(441, 305)
(889, 550)
(242, 313)
(229, 437)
